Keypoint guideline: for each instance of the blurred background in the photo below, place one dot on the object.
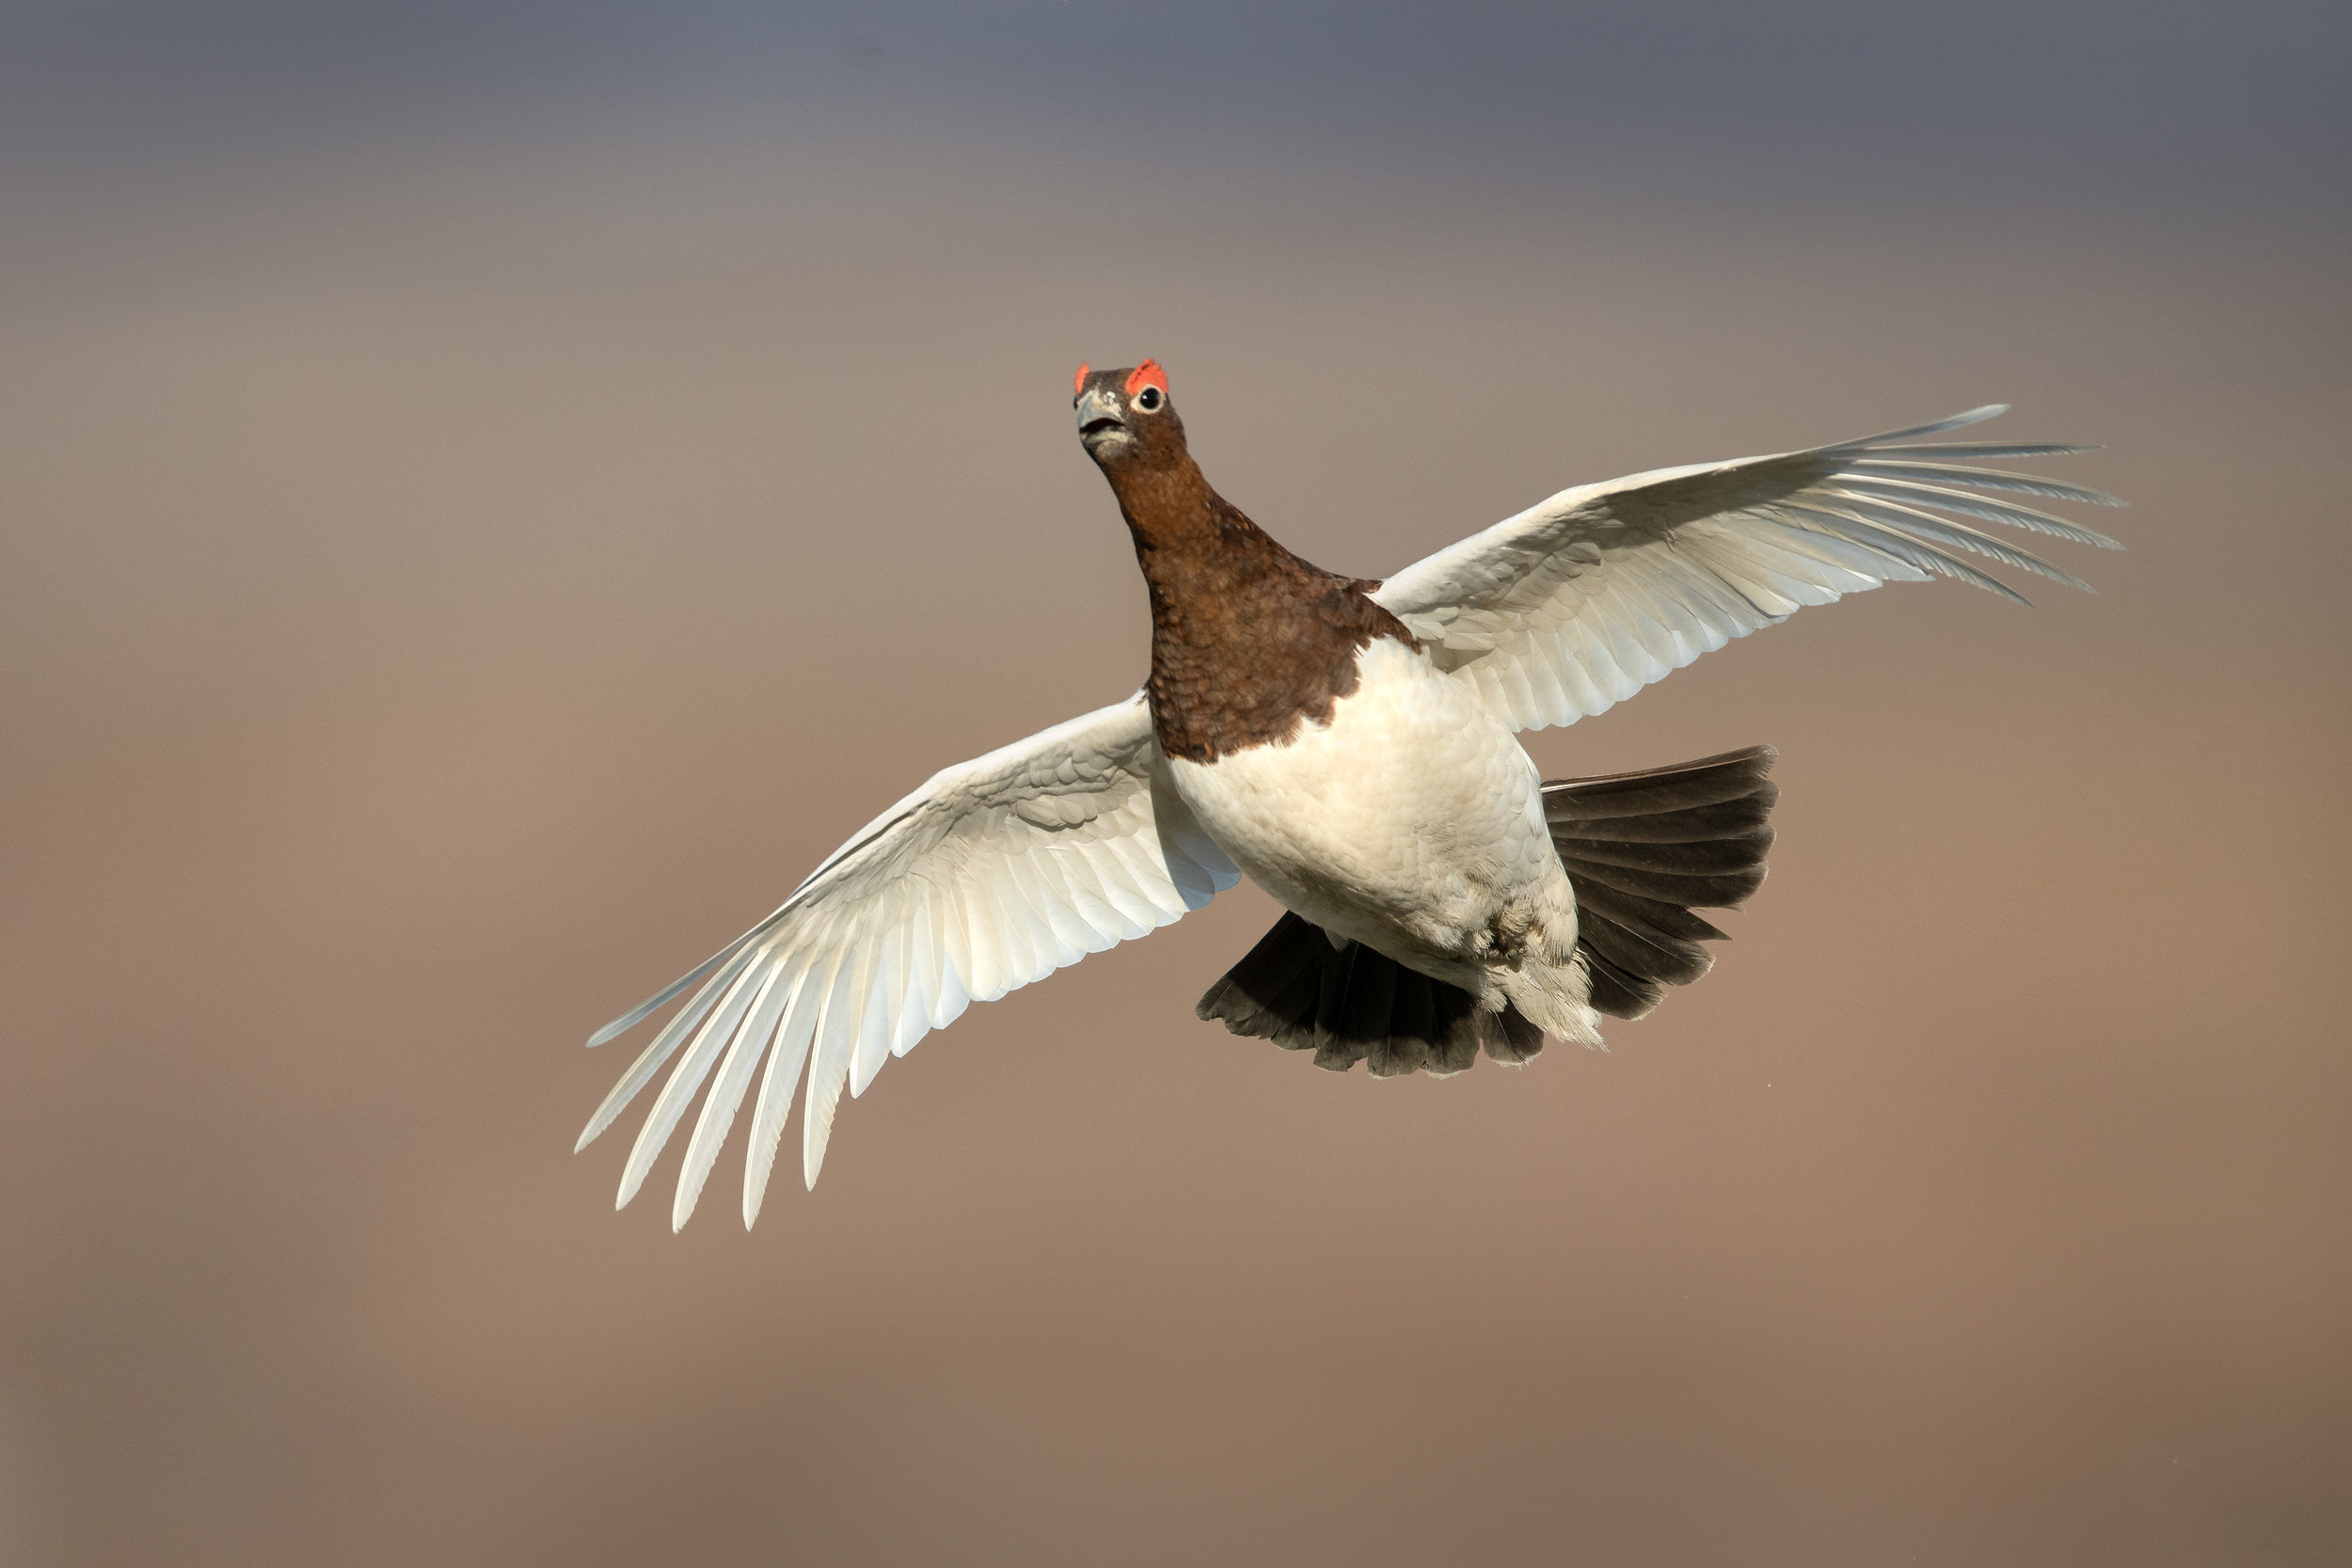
(491, 495)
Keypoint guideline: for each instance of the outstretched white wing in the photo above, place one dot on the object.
(996, 873)
(1581, 601)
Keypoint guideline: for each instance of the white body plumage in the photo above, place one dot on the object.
(1412, 821)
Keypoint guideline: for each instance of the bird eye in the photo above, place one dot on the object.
(1148, 398)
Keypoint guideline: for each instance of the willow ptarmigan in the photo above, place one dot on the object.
(1348, 745)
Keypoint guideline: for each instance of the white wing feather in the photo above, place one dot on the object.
(1581, 600)
(994, 874)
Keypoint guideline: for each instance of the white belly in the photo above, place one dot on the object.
(1412, 822)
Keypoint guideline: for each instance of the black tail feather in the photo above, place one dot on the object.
(1642, 850)
(1349, 1003)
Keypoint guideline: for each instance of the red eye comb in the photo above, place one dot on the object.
(1147, 374)
(1078, 387)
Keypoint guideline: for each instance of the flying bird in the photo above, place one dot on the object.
(1348, 745)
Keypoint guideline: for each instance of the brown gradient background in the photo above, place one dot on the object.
(488, 503)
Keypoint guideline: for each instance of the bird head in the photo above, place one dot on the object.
(1125, 416)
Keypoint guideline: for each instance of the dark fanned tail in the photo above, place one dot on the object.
(1642, 850)
(1350, 1003)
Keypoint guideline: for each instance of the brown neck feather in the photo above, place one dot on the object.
(1248, 639)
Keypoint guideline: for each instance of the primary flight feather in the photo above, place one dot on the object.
(1348, 745)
